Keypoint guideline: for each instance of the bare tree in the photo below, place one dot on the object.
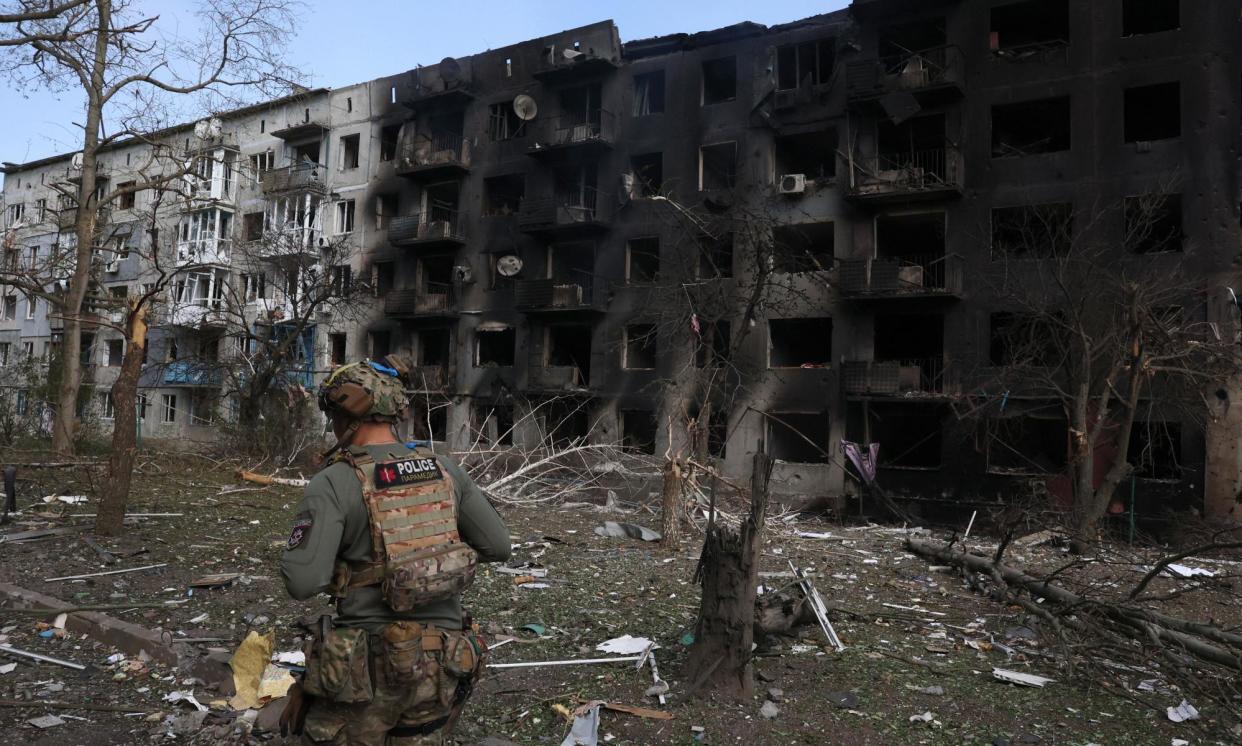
(128, 67)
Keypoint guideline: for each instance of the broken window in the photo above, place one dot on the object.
(128, 197)
(569, 346)
(1035, 443)
(261, 163)
(116, 350)
(306, 153)
(649, 93)
(1153, 112)
(385, 210)
(1153, 223)
(715, 256)
(381, 343)
(494, 345)
(1156, 450)
(910, 436)
(648, 170)
(903, 40)
(803, 248)
(383, 277)
(342, 280)
(336, 348)
(503, 195)
(345, 216)
(1149, 16)
(638, 430)
(713, 343)
(254, 286)
(252, 226)
(440, 202)
(1032, 231)
(494, 423)
(390, 135)
(503, 122)
(719, 80)
(916, 343)
(799, 343)
(642, 260)
(1031, 127)
(798, 437)
(1016, 339)
(640, 347)
(1029, 24)
(429, 419)
(565, 421)
(809, 62)
(717, 166)
(813, 155)
(434, 347)
(349, 151)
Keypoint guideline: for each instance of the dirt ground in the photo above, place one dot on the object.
(917, 668)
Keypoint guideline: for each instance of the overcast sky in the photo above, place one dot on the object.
(349, 42)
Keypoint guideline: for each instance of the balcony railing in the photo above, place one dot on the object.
(305, 177)
(198, 314)
(436, 227)
(428, 155)
(586, 294)
(438, 299)
(204, 251)
(185, 373)
(915, 174)
(588, 208)
(908, 276)
(938, 68)
(597, 127)
(910, 377)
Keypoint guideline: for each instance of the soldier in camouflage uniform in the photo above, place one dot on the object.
(391, 531)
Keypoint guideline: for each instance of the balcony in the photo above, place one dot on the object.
(555, 378)
(434, 157)
(439, 300)
(564, 65)
(910, 276)
(455, 95)
(591, 132)
(933, 76)
(209, 251)
(428, 378)
(301, 177)
(444, 230)
(199, 313)
(914, 176)
(551, 296)
(307, 130)
(185, 373)
(923, 377)
(291, 242)
(588, 211)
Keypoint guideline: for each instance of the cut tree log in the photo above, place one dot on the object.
(250, 476)
(1205, 642)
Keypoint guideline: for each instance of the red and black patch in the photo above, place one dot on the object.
(301, 529)
(407, 471)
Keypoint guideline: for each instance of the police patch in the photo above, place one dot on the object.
(301, 529)
(406, 471)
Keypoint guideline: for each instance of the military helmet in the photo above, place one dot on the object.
(367, 390)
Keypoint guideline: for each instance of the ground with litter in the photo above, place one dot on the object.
(926, 659)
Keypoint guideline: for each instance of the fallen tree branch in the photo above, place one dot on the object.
(250, 476)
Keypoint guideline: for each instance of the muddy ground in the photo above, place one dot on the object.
(917, 668)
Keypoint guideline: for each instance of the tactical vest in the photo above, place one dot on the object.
(417, 555)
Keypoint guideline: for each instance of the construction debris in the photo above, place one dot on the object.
(627, 530)
(250, 476)
(1183, 712)
(1023, 679)
(817, 606)
(6, 648)
(109, 572)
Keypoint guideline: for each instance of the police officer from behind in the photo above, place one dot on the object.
(392, 532)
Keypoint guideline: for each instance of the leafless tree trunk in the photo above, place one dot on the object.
(671, 504)
(124, 427)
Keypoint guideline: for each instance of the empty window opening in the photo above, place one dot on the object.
(305, 116)
(1153, 112)
(648, 170)
(910, 251)
(581, 106)
(381, 343)
(336, 348)
(569, 346)
(808, 63)
(916, 344)
(799, 343)
(803, 248)
(503, 195)
(910, 437)
(642, 260)
(306, 152)
(494, 423)
(798, 437)
(494, 346)
(116, 350)
(1030, 24)
(719, 80)
(718, 166)
(565, 421)
(902, 40)
(383, 278)
(572, 262)
(638, 430)
(717, 433)
(128, 196)
(640, 347)
(429, 419)
(434, 347)
(1021, 340)
(712, 344)
(715, 256)
(1031, 127)
(1027, 444)
(252, 226)
(1156, 450)
(440, 201)
(649, 93)
(392, 94)
(1149, 16)
(813, 155)
(389, 137)
(508, 67)
(1032, 231)
(916, 145)
(385, 210)
(349, 105)
(1153, 223)
(503, 122)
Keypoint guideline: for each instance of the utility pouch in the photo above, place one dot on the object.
(463, 657)
(339, 670)
(409, 653)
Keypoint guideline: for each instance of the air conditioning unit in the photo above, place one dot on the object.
(792, 184)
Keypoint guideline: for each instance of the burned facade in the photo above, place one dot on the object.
(518, 217)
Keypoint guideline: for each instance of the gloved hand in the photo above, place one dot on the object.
(294, 716)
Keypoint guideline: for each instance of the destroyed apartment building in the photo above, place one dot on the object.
(526, 222)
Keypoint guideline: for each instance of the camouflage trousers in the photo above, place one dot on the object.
(403, 687)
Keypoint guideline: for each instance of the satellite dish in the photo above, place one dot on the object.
(215, 126)
(450, 70)
(76, 161)
(200, 129)
(509, 265)
(525, 107)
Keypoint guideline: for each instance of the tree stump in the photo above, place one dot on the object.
(671, 504)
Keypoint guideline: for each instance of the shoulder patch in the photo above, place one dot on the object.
(301, 529)
(407, 471)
